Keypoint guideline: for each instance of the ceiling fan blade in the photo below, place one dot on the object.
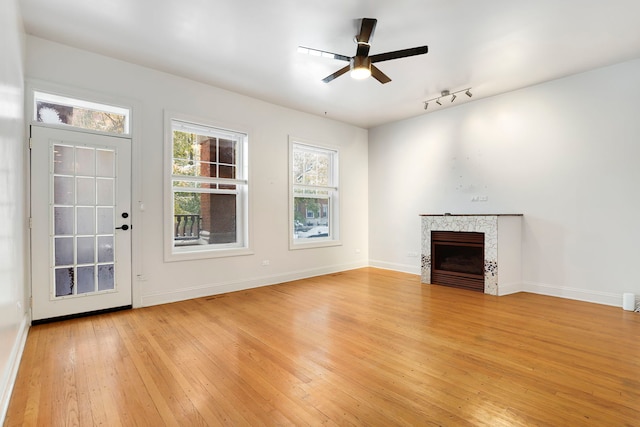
(367, 28)
(379, 75)
(363, 50)
(322, 53)
(338, 73)
(399, 54)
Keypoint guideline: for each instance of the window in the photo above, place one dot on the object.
(314, 195)
(60, 110)
(209, 190)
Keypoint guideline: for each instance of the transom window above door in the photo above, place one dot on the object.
(63, 111)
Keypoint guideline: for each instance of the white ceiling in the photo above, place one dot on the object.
(250, 46)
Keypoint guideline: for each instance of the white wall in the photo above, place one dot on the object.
(566, 154)
(13, 317)
(270, 125)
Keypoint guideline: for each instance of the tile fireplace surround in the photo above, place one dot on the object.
(502, 246)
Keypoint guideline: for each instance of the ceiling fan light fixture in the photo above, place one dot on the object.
(360, 73)
(360, 67)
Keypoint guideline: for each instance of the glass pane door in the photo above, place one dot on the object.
(80, 235)
(83, 210)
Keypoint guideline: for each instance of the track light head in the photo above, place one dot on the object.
(445, 93)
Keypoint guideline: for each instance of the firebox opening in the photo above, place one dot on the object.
(458, 259)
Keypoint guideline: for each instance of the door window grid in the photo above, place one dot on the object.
(83, 212)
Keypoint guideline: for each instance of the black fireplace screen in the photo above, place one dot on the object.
(459, 258)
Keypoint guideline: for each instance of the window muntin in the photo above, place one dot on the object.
(209, 188)
(314, 195)
(61, 110)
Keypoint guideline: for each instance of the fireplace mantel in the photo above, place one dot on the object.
(502, 246)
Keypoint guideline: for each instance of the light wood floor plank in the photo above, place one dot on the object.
(364, 347)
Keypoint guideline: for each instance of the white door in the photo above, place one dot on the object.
(80, 232)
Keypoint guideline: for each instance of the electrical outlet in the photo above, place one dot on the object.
(265, 262)
(479, 198)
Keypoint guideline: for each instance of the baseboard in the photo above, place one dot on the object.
(221, 288)
(9, 377)
(598, 297)
(403, 268)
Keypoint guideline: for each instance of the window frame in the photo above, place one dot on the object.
(333, 215)
(243, 212)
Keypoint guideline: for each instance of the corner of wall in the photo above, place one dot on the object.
(14, 326)
(403, 268)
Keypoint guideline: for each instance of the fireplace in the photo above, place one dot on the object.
(458, 259)
(497, 238)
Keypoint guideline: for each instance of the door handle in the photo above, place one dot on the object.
(125, 227)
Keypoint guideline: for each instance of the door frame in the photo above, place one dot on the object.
(47, 304)
(137, 203)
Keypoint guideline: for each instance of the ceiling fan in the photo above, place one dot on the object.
(361, 65)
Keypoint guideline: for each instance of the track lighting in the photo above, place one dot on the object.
(446, 93)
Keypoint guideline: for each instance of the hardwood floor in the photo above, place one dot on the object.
(364, 347)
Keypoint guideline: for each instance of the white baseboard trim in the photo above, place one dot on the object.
(9, 377)
(598, 297)
(403, 268)
(221, 288)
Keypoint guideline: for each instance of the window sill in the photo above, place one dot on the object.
(190, 255)
(310, 245)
